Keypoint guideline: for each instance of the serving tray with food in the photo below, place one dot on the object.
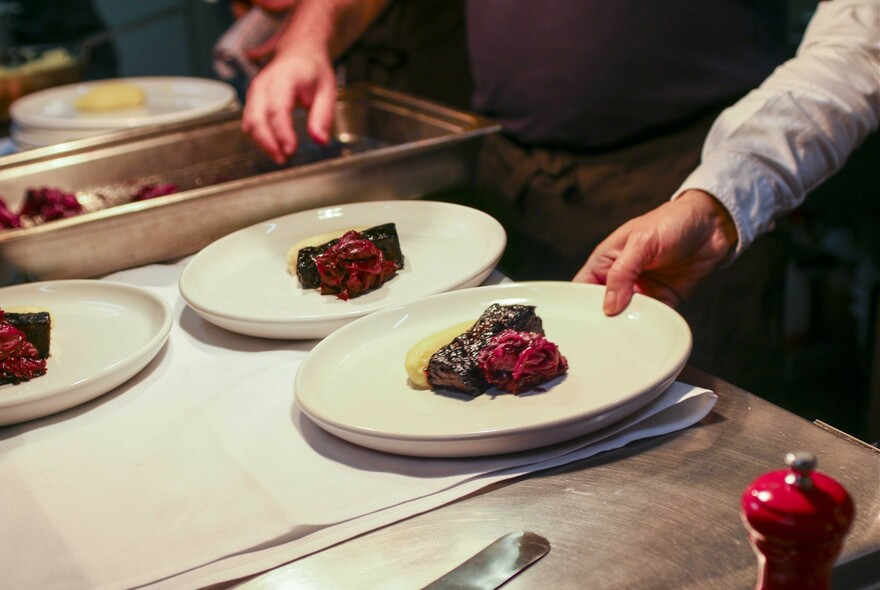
(204, 179)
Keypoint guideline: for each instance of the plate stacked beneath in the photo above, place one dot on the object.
(53, 116)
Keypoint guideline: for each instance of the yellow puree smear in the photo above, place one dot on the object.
(418, 356)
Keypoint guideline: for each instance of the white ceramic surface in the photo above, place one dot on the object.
(354, 384)
(241, 283)
(32, 137)
(103, 333)
(167, 100)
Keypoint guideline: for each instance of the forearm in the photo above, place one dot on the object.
(327, 25)
(765, 154)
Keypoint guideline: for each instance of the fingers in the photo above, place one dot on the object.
(322, 111)
(267, 119)
(620, 282)
(282, 86)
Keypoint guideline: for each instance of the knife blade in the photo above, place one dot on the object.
(496, 564)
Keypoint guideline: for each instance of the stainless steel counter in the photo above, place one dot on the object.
(661, 513)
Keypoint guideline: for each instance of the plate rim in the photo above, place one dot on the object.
(155, 342)
(201, 308)
(361, 432)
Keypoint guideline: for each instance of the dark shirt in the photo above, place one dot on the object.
(582, 74)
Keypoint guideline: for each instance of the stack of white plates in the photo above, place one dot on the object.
(51, 116)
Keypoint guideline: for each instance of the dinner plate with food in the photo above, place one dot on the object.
(63, 343)
(309, 273)
(491, 370)
(121, 103)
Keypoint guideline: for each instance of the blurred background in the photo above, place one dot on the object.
(175, 38)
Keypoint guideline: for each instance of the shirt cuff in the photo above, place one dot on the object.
(742, 186)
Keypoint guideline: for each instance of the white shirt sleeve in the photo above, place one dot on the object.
(765, 153)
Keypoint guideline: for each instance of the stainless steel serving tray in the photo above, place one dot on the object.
(386, 145)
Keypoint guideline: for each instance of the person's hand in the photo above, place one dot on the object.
(300, 76)
(662, 254)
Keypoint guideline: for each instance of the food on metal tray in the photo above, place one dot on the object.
(150, 191)
(110, 96)
(47, 204)
(353, 264)
(9, 219)
(505, 348)
(20, 360)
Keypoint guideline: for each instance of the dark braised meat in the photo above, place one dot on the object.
(19, 360)
(384, 237)
(454, 367)
(36, 327)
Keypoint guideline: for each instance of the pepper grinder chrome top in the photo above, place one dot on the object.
(797, 519)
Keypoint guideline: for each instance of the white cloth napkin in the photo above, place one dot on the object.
(201, 469)
(230, 51)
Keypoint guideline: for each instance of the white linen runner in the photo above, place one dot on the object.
(201, 470)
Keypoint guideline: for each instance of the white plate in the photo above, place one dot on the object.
(354, 384)
(103, 333)
(167, 100)
(241, 283)
(38, 137)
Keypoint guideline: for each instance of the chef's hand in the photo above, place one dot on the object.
(301, 75)
(662, 254)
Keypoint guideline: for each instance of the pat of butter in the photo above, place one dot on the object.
(313, 241)
(110, 96)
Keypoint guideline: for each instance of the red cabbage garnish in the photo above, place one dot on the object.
(519, 361)
(46, 204)
(19, 360)
(8, 219)
(352, 266)
(151, 191)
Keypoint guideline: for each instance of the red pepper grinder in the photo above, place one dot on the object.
(797, 519)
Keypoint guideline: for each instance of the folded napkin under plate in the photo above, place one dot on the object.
(201, 469)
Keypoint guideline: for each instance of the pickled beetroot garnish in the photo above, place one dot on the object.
(151, 191)
(352, 266)
(46, 204)
(19, 360)
(8, 219)
(519, 361)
